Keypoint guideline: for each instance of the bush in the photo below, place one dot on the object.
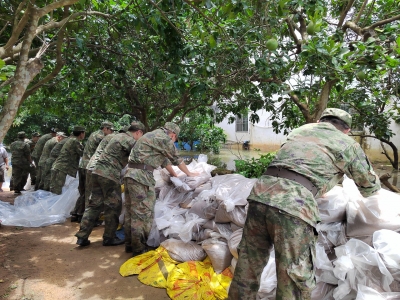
(254, 167)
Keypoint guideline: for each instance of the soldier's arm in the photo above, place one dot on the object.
(361, 171)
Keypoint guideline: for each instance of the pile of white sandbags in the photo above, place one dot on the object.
(205, 215)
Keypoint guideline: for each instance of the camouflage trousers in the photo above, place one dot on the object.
(46, 175)
(294, 241)
(39, 178)
(80, 203)
(88, 186)
(104, 192)
(139, 203)
(19, 176)
(57, 181)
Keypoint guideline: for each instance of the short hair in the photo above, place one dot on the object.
(77, 133)
(338, 123)
(134, 128)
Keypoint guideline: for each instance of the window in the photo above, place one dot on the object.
(242, 124)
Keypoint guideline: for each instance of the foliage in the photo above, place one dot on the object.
(210, 138)
(254, 167)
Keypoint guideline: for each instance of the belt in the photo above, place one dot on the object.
(284, 173)
(140, 166)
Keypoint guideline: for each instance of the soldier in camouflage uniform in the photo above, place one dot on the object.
(32, 144)
(106, 187)
(90, 147)
(55, 152)
(37, 151)
(68, 161)
(152, 150)
(42, 161)
(21, 161)
(283, 211)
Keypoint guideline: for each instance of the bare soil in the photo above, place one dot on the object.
(45, 263)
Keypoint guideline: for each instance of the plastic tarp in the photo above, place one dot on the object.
(387, 243)
(40, 208)
(332, 205)
(268, 280)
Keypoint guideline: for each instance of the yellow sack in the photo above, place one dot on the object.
(197, 280)
(153, 267)
(122, 188)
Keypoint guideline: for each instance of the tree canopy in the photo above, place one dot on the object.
(161, 61)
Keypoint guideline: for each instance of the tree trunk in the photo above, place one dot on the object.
(25, 72)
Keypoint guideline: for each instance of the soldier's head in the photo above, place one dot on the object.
(54, 131)
(107, 127)
(338, 118)
(21, 135)
(172, 130)
(35, 137)
(60, 136)
(137, 129)
(79, 132)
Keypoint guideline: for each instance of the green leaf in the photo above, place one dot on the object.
(212, 41)
(2, 63)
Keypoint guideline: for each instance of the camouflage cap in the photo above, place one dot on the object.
(172, 127)
(79, 128)
(108, 125)
(338, 113)
(54, 129)
(36, 134)
(139, 125)
(60, 133)
(21, 134)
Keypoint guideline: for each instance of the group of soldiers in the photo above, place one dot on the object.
(108, 160)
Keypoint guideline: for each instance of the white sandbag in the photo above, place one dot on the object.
(192, 224)
(323, 291)
(367, 293)
(358, 263)
(331, 235)
(237, 215)
(205, 209)
(172, 197)
(387, 243)
(234, 240)
(176, 224)
(324, 267)
(194, 182)
(332, 205)
(268, 280)
(181, 251)
(154, 240)
(232, 189)
(180, 185)
(367, 215)
(219, 254)
(204, 187)
(163, 213)
(221, 230)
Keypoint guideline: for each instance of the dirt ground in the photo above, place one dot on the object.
(45, 263)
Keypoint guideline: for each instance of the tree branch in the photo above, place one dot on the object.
(357, 19)
(344, 12)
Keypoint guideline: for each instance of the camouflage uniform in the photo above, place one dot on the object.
(32, 169)
(21, 159)
(42, 161)
(106, 187)
(90, 147)
(66, 164)
(154, 149)
(284, 213)
(92, 163)
(37, 152)
(55, 152)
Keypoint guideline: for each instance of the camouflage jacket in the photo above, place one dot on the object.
(100, 148)
(55, 152)
(90, 147)
(37, 152)
(46, 151)
(115, 156)
(20, 153)
(156, 149)
(322, 154)
(68, 160)
(31, 144)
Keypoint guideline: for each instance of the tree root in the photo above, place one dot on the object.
(385, 180)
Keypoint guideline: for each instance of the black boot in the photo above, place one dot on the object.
(112, 241)
(83, 242)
